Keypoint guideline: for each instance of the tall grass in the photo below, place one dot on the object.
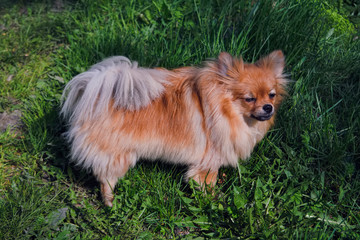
(302, 180)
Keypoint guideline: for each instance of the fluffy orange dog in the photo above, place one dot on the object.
(203, 117)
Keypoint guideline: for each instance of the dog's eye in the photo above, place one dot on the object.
(250, 99)
(272, 95)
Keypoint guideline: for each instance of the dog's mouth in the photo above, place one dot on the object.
(262, 117)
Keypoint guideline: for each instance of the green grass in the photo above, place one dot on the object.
(302, 181)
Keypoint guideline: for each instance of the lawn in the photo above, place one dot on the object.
(302, 180)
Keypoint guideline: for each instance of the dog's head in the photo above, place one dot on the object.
(259, 86)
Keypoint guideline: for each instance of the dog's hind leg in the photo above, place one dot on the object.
(107, 188)
(116, 168)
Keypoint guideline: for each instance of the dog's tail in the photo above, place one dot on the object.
(115, 80)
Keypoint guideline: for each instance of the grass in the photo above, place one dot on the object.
(301, 182)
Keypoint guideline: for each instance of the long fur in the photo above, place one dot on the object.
(114, 79)
(201, 117)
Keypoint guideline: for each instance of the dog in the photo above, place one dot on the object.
(204, 117)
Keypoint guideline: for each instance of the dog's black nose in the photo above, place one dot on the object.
(268, 108)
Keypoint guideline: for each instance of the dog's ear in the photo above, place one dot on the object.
(225, 62)
(275, 61)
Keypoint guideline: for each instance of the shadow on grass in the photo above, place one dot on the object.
(54, 5)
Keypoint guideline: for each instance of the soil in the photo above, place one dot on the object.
(10, 120)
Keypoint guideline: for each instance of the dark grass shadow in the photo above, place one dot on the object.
(45, 137)
(53, 5)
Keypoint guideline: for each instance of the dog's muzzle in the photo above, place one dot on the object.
(266, 113)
